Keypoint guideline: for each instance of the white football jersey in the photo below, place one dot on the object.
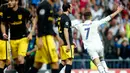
(89, 31)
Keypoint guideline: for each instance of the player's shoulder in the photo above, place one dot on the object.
(95, 22)
(64, 17)
(44, 4)
(90, 22)
(44, 7)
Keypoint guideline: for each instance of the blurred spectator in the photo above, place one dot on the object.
(114, 27)
(123, 50)
(82, 11)
(109, 47)
(83, 3)
(128, 6)
(122, 37)
(75, 6)
(57, 9)
(33, 9)
(36, 2)
(123, 53)
(77, 43)
(127, 26)
(29, 59)
(77, 50)
(96, 11)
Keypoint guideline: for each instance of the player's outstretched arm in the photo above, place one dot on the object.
(108, 18)
(119, 9)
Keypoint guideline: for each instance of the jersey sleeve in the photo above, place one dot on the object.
(66, 24)
(41, 11)
(104, 20)
(3, 14)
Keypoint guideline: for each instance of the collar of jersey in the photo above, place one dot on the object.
(88, 22)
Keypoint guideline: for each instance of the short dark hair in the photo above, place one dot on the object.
(87, 15)
(66, 6)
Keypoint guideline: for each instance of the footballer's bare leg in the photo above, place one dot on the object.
(97, 62)
(104, 64)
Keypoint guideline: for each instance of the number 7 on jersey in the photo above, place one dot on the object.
(87, 32)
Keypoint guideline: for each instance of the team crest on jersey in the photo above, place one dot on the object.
(51, 11)
(8, 17)
(1, 14)
(42, 12)
(59, 18)
(67, 23)
(19, 17)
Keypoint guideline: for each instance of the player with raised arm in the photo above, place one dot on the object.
(92, 41)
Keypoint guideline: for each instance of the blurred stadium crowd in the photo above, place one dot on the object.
(115, 34)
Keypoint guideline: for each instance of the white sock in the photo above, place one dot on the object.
(101, 68)
(104, 65)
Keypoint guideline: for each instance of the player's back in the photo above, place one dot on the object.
(45, 18)
(89, 33)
